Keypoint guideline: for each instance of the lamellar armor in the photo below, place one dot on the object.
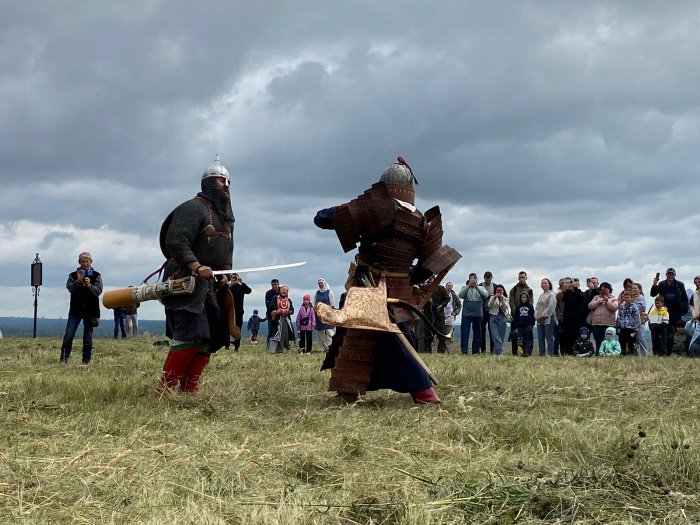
(391, 236)
(401, 248)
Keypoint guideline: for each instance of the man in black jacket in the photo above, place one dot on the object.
(239, 290)
(675, 300)
(84, 286)
(574, 318)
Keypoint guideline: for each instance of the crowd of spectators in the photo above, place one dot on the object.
(571, 321)
(568, 320)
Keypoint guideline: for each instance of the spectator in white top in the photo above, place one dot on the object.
(545, 318)
(452, 310)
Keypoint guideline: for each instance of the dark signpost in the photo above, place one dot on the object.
(36, 283)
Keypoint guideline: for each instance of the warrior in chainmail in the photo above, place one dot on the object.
(392, 234)
(196, 238)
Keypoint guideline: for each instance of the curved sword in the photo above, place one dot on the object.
(258, 269)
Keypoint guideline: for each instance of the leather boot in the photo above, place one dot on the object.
(175, 366)
(350, 397)
(190, 379)
(426, 396)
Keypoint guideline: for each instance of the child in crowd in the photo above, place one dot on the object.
(681, 341)
(306, 324)
(524, 320)
(254, 326)
(658, 325)
(628, 323)
(583, 347)
(610, 346)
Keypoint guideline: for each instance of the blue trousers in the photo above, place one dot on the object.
(599, 335)
(120, 322)
(497, 328)
(545, 332)
(468, 323)
(71, 329)
(556, 335)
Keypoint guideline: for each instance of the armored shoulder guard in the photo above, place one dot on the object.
(367, 214)
(433, 238)
(433, 255)
(441, 260)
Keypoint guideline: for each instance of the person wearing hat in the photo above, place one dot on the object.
(84, 286)
(324, 332)
(473, 299)
(610, 347)
(197, 238)
(281, 331)
(583, 347)
(675, 300)
(400, 250)
(306, 324)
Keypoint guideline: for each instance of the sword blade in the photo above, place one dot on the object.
(258, 268)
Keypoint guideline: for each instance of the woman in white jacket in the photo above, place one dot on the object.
(499, 308)
(545, 318)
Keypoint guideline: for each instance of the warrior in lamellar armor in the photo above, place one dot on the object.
(400, 248)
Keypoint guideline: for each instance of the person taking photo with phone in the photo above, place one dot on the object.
(84, 286)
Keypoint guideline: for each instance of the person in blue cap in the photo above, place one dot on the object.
(583, 347)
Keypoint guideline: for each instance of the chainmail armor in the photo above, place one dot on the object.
(185, 238)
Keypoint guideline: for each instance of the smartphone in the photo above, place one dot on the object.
(657, 275)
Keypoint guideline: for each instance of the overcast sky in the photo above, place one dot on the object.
(557, 137)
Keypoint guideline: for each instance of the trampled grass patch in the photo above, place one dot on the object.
(536, 440)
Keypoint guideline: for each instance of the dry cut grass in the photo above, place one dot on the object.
(515, 441)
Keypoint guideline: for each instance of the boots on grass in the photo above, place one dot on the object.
(427, 396)
(350, 397)
(190, 380)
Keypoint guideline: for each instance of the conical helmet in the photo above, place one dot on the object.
(217, 169)
(399, 180)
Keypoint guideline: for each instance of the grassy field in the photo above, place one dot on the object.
(516, 440)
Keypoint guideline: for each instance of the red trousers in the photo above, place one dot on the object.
(184, 366)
